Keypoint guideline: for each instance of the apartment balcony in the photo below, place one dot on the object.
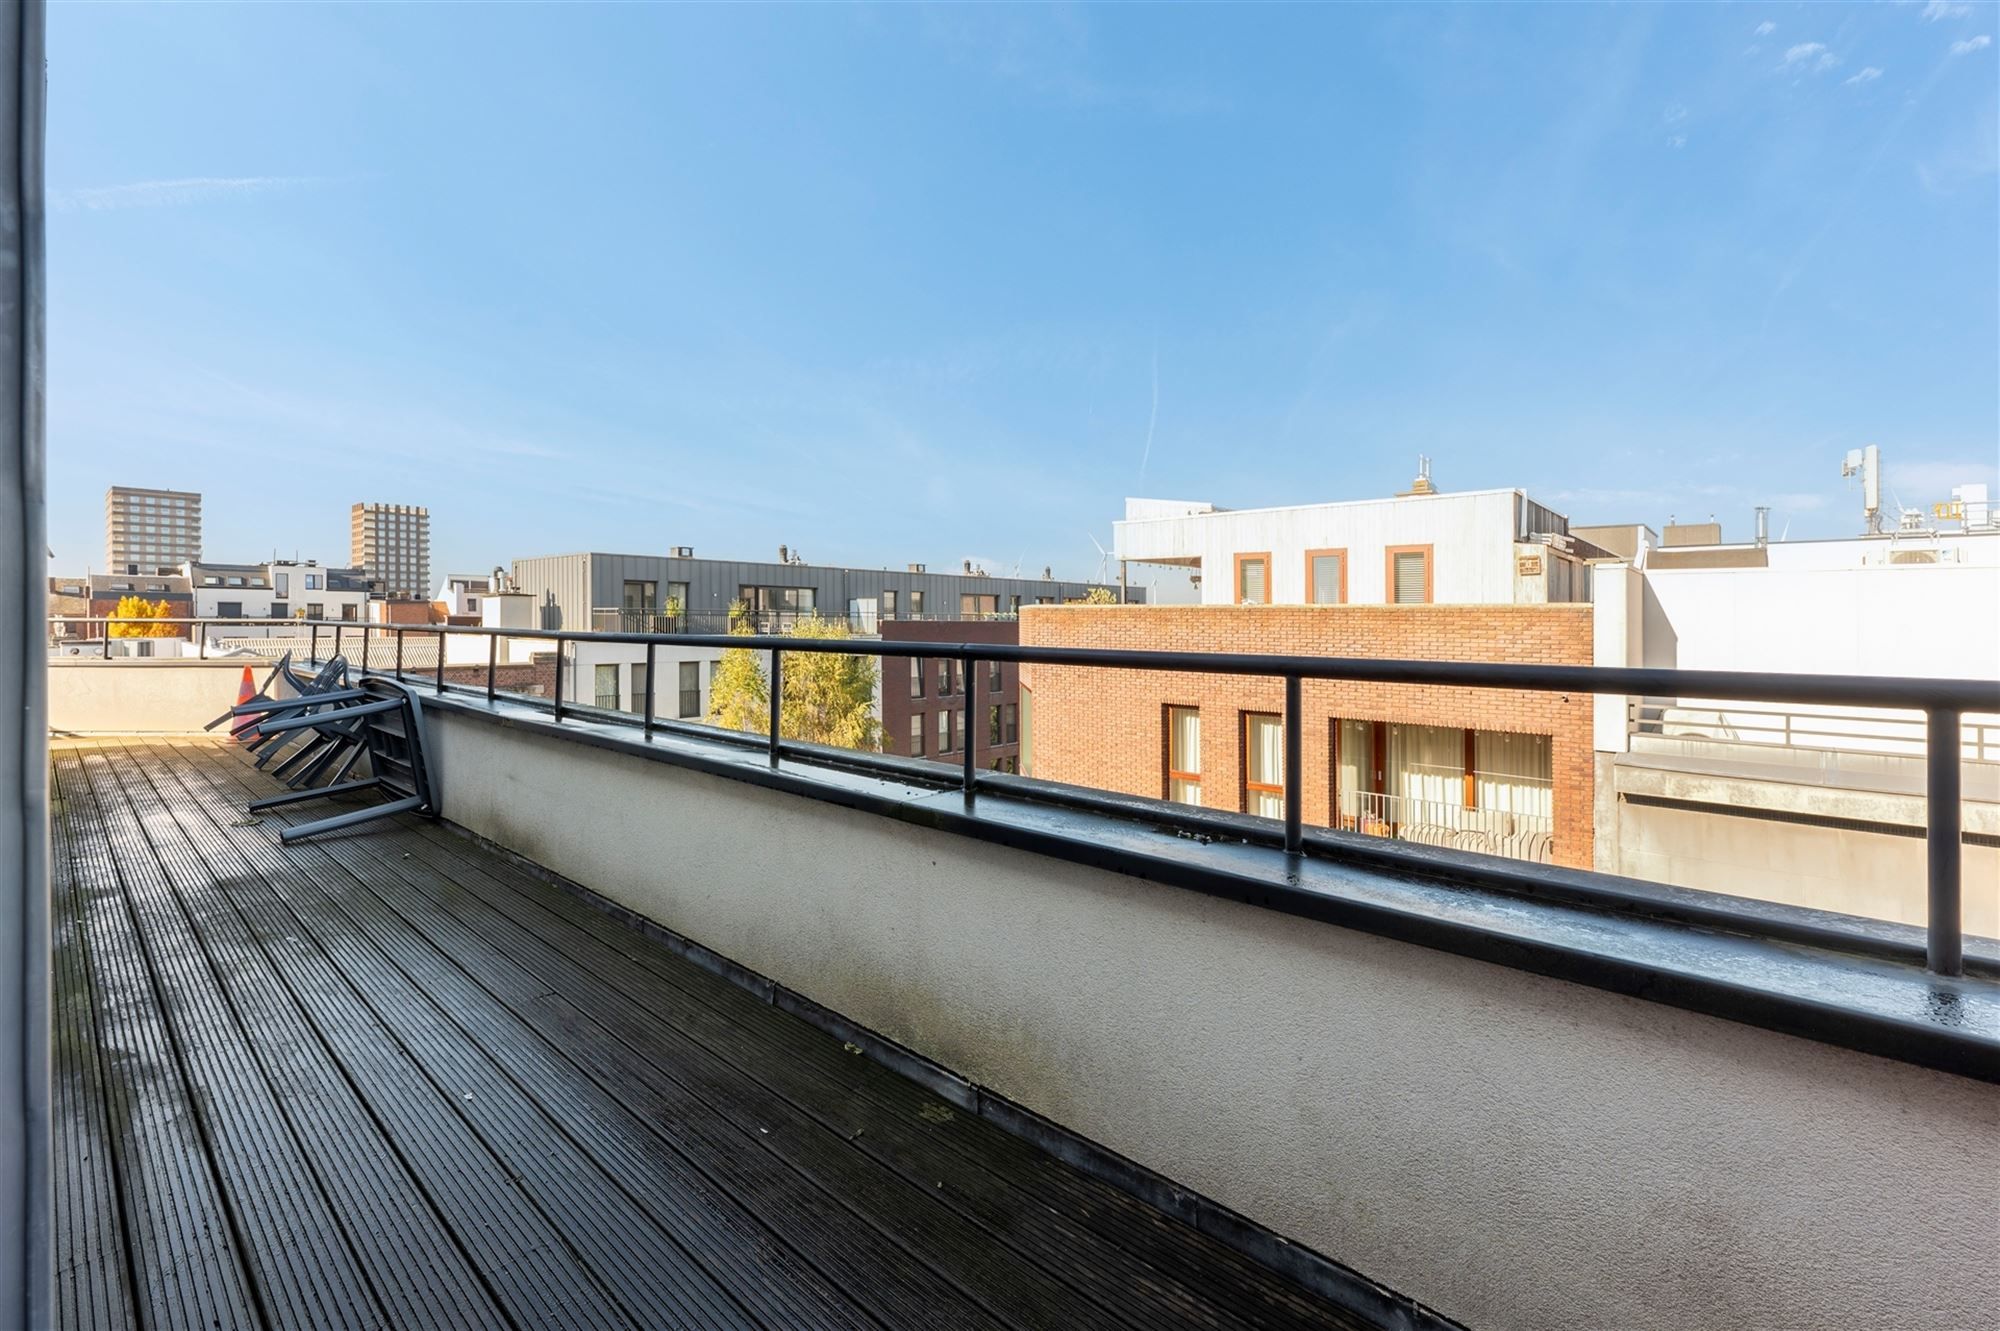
(664, 1025)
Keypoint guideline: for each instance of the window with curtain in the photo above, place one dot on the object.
(944, 677)
(1183, 776)
(916, 677)
(1326, 579)
(944, 730)
(1253, 580)
(917, 735)
(1263, 765)
(638, 686)
(1425, 772)
(1011, 724)
(607, 687)
(1410, 572)
(1513, 773)
(690, 689)
(994, 677)
(1353, 769)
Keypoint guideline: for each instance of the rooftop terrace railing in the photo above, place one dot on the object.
(1942, 702)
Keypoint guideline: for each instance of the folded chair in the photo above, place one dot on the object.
(382, 720)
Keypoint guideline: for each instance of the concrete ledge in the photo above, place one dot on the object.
(125, 696)
(1510, 1149)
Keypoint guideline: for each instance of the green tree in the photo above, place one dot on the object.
(138, 607)
(739, 697)
(829, 697)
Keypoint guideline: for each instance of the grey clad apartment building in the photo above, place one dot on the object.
(679, 593)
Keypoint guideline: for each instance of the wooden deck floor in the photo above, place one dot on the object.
(390, 1080)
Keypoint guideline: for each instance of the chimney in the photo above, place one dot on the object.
(1763, 524)
(916, 568)
(1048, 574)
(968, 567)
(784, 555)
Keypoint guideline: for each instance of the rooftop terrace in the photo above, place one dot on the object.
(397, 1080)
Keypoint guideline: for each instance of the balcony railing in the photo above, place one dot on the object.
(1516, 836)
(1942, 702)
(617, 619)
(1829, 736)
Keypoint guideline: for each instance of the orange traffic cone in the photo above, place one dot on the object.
(244, 693)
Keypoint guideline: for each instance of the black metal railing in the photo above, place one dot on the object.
(1943, 702)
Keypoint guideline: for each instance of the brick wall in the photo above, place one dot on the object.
(537, 676)
(1105, 728)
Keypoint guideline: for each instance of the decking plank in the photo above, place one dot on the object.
(283, 1040)
(185, 1259)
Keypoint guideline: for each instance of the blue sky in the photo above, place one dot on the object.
(933, 284)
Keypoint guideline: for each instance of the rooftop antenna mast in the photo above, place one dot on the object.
(1867, 464)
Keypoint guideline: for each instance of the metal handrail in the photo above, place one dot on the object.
(1943, 702)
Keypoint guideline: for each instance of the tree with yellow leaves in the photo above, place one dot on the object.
(138, 607)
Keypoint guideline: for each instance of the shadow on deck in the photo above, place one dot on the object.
(389, 1079)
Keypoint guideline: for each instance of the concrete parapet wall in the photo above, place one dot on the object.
(1511, 1150)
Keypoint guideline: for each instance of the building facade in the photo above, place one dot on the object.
(460, 594)
(391, 543)
(150, 531)
(281, 589)
(680, 593)
(926, 710)
(1505, 772)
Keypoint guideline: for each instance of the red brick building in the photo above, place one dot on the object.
(1503, 771)
(924, 705)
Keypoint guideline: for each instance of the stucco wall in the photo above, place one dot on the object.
(1512, 1150)
(131, 697)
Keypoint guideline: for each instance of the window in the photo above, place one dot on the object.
(677, 592)
(350, 612)
(238, 582)
(282, 583)
(1011, 728)
(944, 678)
(229, 609)
(993, 677)
(782, 599)
(471, 604)
(973, 606)
(280, 610)
(888, 605)
(641, 596)
(993, 725)
(1183, 754)
(916, 677)
(312, 582)
(916, 605)
(1253, 579)
(314, 610)
(917, 735)
(1326, 577)
(607, 687)
(944, 730)
(1409, 574)
(690, 689)
(1263, 764)
(638, 687)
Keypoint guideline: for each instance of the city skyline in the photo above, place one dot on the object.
(895, 286)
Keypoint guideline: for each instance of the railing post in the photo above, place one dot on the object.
(1295, 837)
(315, 643)
(107, 637)
(651, 662)
(492, 664)
(336, 642)
(1944, 948)
(440, 661)
(777, 699)
(559, 679)
(399, 650)
(201, 638)
(364, 645)
(970, 739)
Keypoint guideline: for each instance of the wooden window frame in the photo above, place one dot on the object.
(1243, 760)
(1389, 554)
(1341, 552)
(1236, 577)
(1168, 774)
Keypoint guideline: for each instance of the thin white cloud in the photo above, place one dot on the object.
(1766, 29)
(1674, 114)
(1971, 44)
(1812, 57)
(1938, 9)
(172, 193)
(1677, 141)
(1868, 75)
(1927, 481)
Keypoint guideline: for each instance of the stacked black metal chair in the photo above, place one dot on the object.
(378, 719)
